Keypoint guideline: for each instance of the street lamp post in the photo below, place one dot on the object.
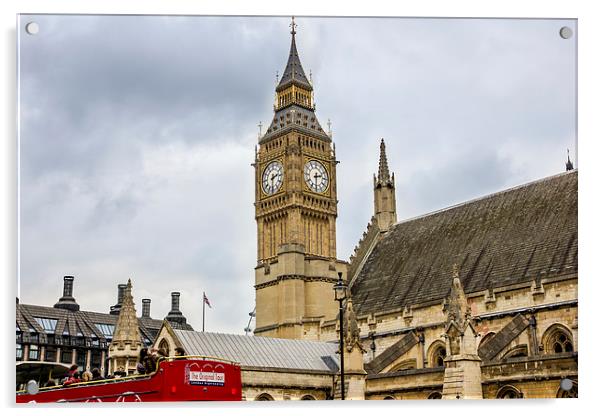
(340, 294)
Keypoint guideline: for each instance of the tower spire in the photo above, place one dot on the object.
(385, 208)
(293, 72)
(383, 166)
(126, 343)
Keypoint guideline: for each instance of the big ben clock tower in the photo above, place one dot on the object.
(296, 210)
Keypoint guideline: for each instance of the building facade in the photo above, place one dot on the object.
(296, 211)
(477, 300)
(63, 334)
(507, 261)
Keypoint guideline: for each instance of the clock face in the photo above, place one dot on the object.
(271, 180)
(316, 176)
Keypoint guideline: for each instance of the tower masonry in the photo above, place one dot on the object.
(296, 211)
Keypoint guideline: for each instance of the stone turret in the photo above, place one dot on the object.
(462, 379)
(385, 207)
(126, 344)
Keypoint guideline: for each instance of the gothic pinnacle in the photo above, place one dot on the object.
(383, 167)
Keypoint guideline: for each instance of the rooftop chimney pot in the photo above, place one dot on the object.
(146, 308)
(175, 301)
(67, 301)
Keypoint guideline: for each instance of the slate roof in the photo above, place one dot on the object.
(252, 351)
(509, 237)
(293, 117)
(293, 72)
(71, 322)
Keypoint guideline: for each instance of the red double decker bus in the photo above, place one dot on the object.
(188, 378)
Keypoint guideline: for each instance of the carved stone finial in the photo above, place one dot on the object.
(351, 330)
(457, 306)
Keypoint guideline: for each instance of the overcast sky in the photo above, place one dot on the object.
(137, 135)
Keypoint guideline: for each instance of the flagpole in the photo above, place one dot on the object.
(203, 311)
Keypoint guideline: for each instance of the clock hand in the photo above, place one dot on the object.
(316, 176)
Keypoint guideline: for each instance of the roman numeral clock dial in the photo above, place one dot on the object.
(271, 181)
(316, 176)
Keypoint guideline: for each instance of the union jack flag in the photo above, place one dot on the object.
(206, 300)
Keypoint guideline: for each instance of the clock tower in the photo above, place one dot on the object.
(295, 210)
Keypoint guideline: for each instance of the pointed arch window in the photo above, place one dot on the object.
(436, 354)
(557, 339)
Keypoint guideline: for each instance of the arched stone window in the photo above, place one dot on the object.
(264, 397)
(557, 339)
(509, 392)
(436, 354)
(436, 395)
(165, 346)
(308, 397)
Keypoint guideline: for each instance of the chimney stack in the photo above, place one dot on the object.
(68, 286)
(146, 308)
(175, 301)
(175, 317)
(67, 301)
(120, 294)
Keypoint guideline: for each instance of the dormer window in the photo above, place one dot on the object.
(49, 325)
